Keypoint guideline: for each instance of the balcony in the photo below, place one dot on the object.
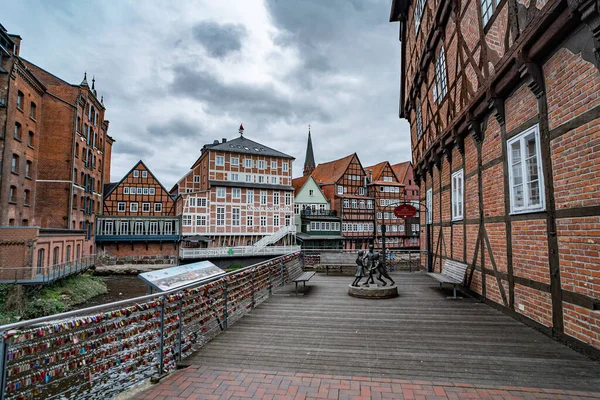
(318, 213)
(131, 229)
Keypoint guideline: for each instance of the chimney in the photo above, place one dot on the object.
(370, 176)
(17, 40)
(215, 142)
(224, 140)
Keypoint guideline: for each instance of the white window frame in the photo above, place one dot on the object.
(220, 161)
(276, 220)
(221, 193)
(429, 205)
(488, 7)
(419, 119)
(418, 14)
(249, 220)
(273, 164)
(133, 207)
(146, 190)
(140, 190)
(200, 220)
(458, 195)
(186, 220)
(520, 138)
(121, 206)
(126, 190)
(235, 217)
(276, 198)
(340, 189)
(288, 199)
(285, 167)
(144, 174)
(196, 179)
(236, 193)
(361, 191)
(157, 207)
(249, 196)
(263, 220)
(263, 198)
(262, 164)
(440, 89)
(234, 161)
(234, 176)
(136, 173)
(220, 216)
(152, 191)
(146, 207)
(248, 163)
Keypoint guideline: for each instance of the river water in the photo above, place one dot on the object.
(120, 287)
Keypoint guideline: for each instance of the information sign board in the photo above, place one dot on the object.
(182, 275)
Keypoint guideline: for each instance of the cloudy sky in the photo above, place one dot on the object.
(177, 75)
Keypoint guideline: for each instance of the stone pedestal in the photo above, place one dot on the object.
(373, 291)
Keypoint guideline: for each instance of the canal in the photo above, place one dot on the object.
(120, 287)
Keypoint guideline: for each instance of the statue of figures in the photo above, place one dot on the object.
(383, 272)
(370, 264)
(360, 268)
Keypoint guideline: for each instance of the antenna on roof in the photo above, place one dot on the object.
(241, 130)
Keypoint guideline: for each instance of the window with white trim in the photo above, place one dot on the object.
(220, 216)
(525, 172)
(361, 191)
(288, 220)
(121, 206)
(157, 207)
(125, 190)
(234, 177)
(275, 198)
(187, 220)
(136, 173)
(249, 178)
(144, 174)
(441, 81)
(249, 196)
(429, 204)
(248, 163)
(200, 220)
(340, 189)
(263, 198)
(369, 204)
(234, 161)
(201, 202)
(285, 167)
(192, 201)
(276, 221)
(457, 195)
(263, 221)
(235, 216)
(274, 180)
(418, 14)
(145, 207)
(387, 179)
(140, 190)
(261, 164)
(196, 178)
(145, 191)
(220, 161)
(288, 199)
(236, 193)
(133, 207)
(419, 119)
(152, 191)
(273, 164)
(220, 192)
(249, 220)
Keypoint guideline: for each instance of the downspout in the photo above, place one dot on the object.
(70, 213)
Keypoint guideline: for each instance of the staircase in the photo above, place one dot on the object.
(275, 237)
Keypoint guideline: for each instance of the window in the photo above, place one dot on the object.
(153, 229)
(387, 179)
(234, 161)
(414, 228)
(346, 203)
(20, 99)
(369, 204)
(152, 191)
(354, 203)
(457, 195)
(200, 220)
(379, 215)
(288, 220)
(263, 198)
(441, 83)
(276, 221)
(121, 206)
(32, 111)
(30, 140)
(14, 166)
(525, 172)
(418, 119)
(145, 207)
(234, 177)
(168, 228)
(26, 197)
(236, 193)
(140, 190)
(220, 161)
(261, 179)
(249, 220)
(296, 208)
(361, 191)
(196, 178)
(12, 195)
(340, 189)
(274, 180)
(125, 190)
(157, 207)
(288, 199)
(187, 220)
(261, 164)
(247, 163)
(487, 10)
(418, 15)
(249, 178)
(285, 167)
(275, 198)
(250, 196)
(133, 207)
(17, 133)
(201, 202)
(145, 191)
(221, 192)
(235, 216)
(55, 255)
(192, 201)
(263, 221)
(136, 173)
(429, 205)
(220, 216)
(273, 164)
(28, 169)
(144, 174)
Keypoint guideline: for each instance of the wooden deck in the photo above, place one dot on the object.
(419, 336)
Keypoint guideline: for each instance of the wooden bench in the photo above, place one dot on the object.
(304, 277)
(340, 260)
(453, 273)
(296, 274)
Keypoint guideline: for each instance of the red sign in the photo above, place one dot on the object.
(405, 211)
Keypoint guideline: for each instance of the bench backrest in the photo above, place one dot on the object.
(338, 258)
(454, 269)
(294, 269)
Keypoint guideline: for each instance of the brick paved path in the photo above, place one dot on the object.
(215, 383)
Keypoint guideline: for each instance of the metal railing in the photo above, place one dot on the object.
(46, 274)
(397, 260)
(100, 351)
(239, 251)
(318, 213)
(276, 236)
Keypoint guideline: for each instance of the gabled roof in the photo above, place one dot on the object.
(330, 172)
(244, 145)
(298, 183)
(400, 170)
(377, 169)
(106, 194)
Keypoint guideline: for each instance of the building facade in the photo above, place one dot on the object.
(238, 194)
(138, 223)
(504, 109)
(405, 173)
(317, 225)
(345, 184)
(53, 152)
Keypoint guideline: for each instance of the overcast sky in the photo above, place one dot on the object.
(177, 75)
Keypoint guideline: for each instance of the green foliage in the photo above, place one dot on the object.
(234, 267)
(58, 297)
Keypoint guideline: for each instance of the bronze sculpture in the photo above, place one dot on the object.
(371, 263)
(360, 268)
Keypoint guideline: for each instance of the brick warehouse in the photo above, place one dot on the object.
(504, 107)
(55, 155)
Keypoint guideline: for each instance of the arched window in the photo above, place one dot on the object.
(55, 255)
(68, 255)
(40, 260)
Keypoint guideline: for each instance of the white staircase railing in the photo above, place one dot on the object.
(275, 237)
(242, 251)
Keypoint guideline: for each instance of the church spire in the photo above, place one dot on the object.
(309, 160)
(84, 81)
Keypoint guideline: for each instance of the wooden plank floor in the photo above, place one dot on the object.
(420, 335)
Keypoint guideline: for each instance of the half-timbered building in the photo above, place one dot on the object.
(237, 197)
(404, 172)
(138, 222)
(504, 107)
(344, 183)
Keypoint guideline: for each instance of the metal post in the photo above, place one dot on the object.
(179, 328)
(270, 282)
(225, 312)
(162, 337)
(429, 254)
(383, 260)
(252, 287)
(4, 361)
(282, 275)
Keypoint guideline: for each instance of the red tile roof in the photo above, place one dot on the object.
(400, 170)
(332, 171)
(298, 183)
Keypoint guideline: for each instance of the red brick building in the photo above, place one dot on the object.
(138, 222)
(504, 106)
(54, 142)
(238, 194)
(405, 173)
(345, 183)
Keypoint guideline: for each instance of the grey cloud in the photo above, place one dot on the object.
(219, 39)
(178, 127)
(127, 147)
(242, 98)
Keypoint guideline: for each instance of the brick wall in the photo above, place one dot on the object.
(137, 253)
